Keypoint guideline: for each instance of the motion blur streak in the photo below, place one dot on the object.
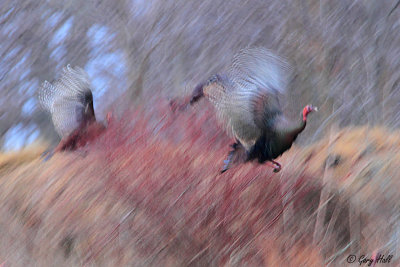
(147, 191)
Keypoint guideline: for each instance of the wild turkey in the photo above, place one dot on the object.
(247, 104)
(70, 103)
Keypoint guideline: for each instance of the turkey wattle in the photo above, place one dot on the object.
(246, 99)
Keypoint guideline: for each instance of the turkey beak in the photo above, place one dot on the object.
(315, 108)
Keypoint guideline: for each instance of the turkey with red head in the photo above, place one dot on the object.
(246, 99)
(69, 100)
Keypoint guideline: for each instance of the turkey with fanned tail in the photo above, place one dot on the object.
(69, 100)
(247, 102)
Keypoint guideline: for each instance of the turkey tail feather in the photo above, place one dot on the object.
(66, 99)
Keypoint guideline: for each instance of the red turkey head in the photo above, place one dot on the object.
(308, 109)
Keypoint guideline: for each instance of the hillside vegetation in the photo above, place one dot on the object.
(148, 192)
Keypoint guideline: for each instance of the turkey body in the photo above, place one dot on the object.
(69, 100)
(247, 99)
(272, 144)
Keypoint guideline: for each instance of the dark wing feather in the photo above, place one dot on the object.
(66, 99)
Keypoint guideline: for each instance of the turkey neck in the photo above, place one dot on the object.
(289, 131)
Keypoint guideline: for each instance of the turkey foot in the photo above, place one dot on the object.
(277, 166)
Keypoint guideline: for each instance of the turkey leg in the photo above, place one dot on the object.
(229, 158)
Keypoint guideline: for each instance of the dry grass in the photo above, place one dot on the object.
(12, 160)
(148, 193)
